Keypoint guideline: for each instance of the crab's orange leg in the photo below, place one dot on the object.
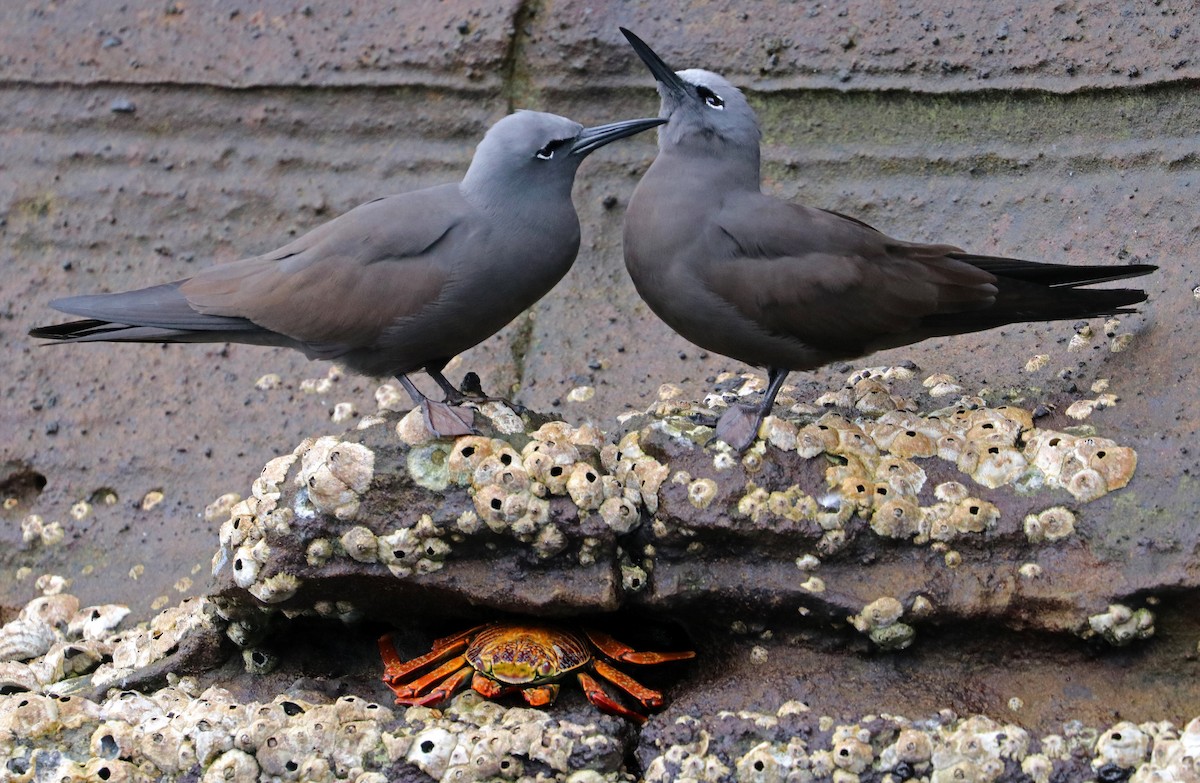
(619, 651)
(605, 703)
(444, 690)
(396, 669)
(647, 696)
(430, 679)
(541, 695)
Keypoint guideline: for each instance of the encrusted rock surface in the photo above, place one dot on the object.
(845, 500)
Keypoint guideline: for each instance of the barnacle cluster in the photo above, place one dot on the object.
(53, 639)
(768, 748)
(880, 621)
(1120, 625)
(51, 730)
(35, 531)
(554, 489)
(876, 464)
(476, 739)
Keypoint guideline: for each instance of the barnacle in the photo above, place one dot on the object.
(619, 514)
(275, 589)
(1124, 745)
(701, 492)
(465, 456)
(780, 433)
(1052, 524)
(1120, 624)
(898, 517)
(584, 486)
(335, 474)
(998, 465)
(360, 544)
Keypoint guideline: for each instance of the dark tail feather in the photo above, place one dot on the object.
(74, 330)
(159, 314)
(1030, 291)
(1053, 274)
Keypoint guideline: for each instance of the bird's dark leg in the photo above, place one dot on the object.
(739, 425)
(471, 391)
(443, 420)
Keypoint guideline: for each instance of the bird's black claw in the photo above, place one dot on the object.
(471, 386)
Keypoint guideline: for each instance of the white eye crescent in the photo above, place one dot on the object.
(545, 153)
(713, 101)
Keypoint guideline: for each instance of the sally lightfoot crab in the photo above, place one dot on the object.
(503, 658)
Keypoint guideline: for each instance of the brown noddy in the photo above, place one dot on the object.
(399, 284)
(790, 287)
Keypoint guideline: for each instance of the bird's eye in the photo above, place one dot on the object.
(547, 152)
(711, 99)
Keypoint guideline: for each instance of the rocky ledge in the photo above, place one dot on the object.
(884, 587)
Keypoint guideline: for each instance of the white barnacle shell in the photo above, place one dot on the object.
(25, 638)
(1120, 624)
(1053, 524)
(94, 623)
(232, 766)
(553, 748)
(701, 492)
(466, 455)
(1124, 745)
(651, 475)
(360, 544)
(248, 561)
(128, 707)
(899, 517)
(335, 474)
(68, 659)
(428, 465)
(780, 433)
(879, 613)
(318, 552)
(54, 610)
(765, 762)
(17, 677)
(219, 509)
(242, 527)
(430, 751)
(401, 547)
(1086, 485)
(852, 754)
(259, 660)
(274, 473)
(584, 486)
(275, 589)
(165, 746)
(998, 465)
(619, 514)
(113, 739)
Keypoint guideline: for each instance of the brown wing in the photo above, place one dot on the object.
(833, 282)
(347, 280)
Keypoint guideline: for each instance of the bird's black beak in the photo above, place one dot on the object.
(662, 72)
(592, 139)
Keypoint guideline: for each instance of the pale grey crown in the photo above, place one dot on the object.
(712, 109)
(523, 151)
